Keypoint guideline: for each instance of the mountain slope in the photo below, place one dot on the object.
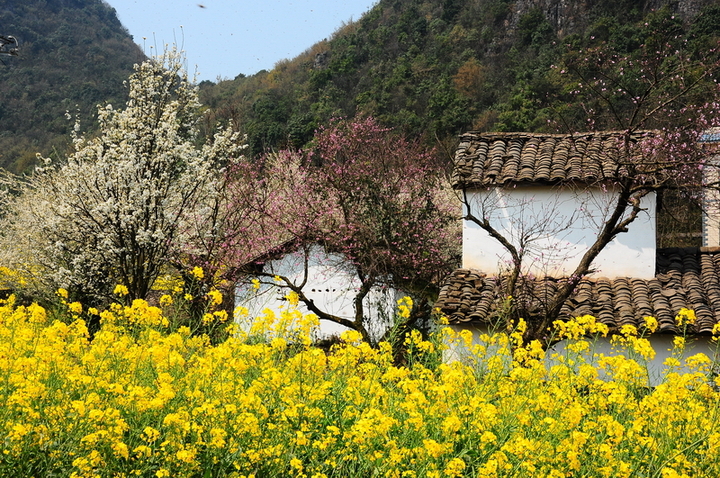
(74, 54)
(436, 68)
(433, 68)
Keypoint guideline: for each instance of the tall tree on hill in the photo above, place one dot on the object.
(73, 56)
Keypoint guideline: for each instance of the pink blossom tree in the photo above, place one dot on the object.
(258, 208)
(362, 192)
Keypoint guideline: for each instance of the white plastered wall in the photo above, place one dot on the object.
(331, 285)
(711, 205)
(554, 227)
(656, 368)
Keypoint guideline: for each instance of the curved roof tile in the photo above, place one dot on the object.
(686, 278)
(496, 159)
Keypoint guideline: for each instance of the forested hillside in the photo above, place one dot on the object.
(436, 68)
(432, 68)
(74, 54)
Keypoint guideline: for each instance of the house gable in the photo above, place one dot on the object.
(550, 195)
(555, 226)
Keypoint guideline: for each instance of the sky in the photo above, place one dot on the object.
(224, 38)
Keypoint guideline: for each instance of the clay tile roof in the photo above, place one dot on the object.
(686, 278)
(496, 159)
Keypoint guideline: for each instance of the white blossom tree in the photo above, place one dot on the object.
(117, 210)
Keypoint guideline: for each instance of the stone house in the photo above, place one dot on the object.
(548, 195)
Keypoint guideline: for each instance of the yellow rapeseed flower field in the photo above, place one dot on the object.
(141, 400)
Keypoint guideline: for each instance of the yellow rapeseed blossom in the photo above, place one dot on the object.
(75, 307)
(142, 399)
(292, 298)
(405, 305)
(215, 297)
(121, 290)
(685, 317)
(651, 323)
(679, 342)
(169, 283)
(197, 272)
(454, 467)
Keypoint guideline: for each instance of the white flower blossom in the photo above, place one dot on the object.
(114, 212)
